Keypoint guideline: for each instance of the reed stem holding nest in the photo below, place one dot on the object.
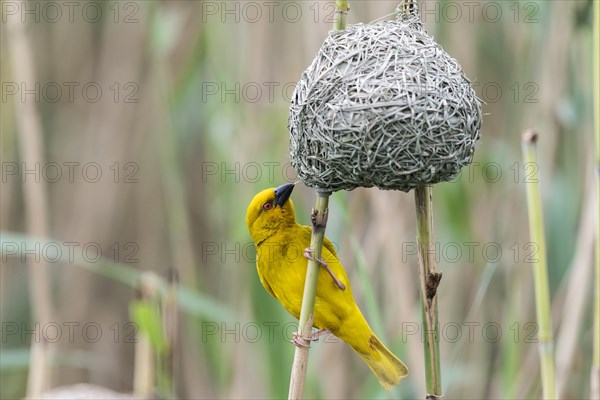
(339, 18)
(308, 299)
(540, 272)
(320, 211)
(429, 279)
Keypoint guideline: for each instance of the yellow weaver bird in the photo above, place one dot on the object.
(280, 241)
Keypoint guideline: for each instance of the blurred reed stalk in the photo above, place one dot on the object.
(595, 373)
(305, 324)
(168, 363)
(429, 281)
(143, 368)
(155, 311)
(298, 376)
(540, 271)
(577, 292)
(36, 205)
(144, 373)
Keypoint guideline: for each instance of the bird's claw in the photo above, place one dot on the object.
(319, 220)
(308, 254)
(313, 216)
(300, 341)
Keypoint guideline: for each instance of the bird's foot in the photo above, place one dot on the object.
(319, 220)
(316, 335)
(308, 254)
(300, 341)
(313, 216)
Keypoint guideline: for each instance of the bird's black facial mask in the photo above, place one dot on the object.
(282, 194)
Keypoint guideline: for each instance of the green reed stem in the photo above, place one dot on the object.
(595, 373)
(300, 364)
(540, 272)
(298, 376)
(341, 11)
(429, 279)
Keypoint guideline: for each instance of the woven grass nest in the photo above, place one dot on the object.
(382, 105)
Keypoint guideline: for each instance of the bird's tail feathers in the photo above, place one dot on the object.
(385, 365)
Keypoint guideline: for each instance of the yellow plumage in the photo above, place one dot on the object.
(280, 243)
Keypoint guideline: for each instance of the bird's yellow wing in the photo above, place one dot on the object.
(332, 305)
(327, 243)
(266, 284)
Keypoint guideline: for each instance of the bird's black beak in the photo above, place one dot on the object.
(282, 193)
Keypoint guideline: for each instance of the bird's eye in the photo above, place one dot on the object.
(267, 206)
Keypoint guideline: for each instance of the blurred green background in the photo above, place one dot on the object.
(139, 131)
